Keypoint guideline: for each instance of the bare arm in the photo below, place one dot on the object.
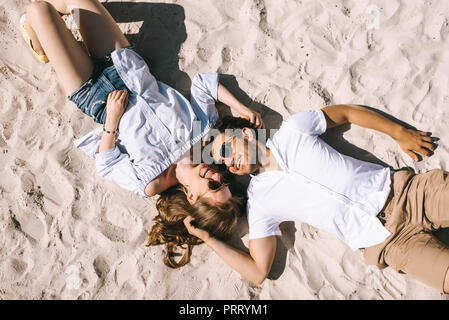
(411, 141)
(254, 266)
(228, 99)
(164, 181)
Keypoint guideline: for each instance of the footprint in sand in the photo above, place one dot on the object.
(226, 58)
(30, 224)
(13, 269)
(101, 267)
(126, 269)
(120, 225)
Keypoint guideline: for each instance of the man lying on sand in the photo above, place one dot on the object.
(297, 176)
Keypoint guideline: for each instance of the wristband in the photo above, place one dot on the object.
(110, 132)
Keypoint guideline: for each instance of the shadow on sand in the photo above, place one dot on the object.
(161, 34)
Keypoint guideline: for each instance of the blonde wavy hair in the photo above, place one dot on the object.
(219, 220)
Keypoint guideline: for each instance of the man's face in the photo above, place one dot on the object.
(237, 153)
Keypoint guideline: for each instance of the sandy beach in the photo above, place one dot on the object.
(67, 233)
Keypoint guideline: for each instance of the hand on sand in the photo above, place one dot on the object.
(414, 142)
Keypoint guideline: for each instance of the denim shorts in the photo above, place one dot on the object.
(91, 97)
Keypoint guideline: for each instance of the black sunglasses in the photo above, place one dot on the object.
(226, 149)
(215, 185)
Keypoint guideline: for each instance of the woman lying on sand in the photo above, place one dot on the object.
(147, 125)
(99, 85)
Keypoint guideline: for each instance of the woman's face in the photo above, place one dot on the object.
(202, 181)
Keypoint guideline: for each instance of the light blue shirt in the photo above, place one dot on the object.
(157, 128)
(319, 186)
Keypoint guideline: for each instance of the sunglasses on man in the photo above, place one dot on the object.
(226, 149)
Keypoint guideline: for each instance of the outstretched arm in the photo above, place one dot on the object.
(206, 91)
(228, 99)
(254, 266)
(411, 141)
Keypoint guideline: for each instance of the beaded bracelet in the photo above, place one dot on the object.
(110, 132)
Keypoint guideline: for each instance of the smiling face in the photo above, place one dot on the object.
(202, 181)
(237, 153)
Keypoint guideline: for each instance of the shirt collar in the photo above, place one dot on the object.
(270, 145)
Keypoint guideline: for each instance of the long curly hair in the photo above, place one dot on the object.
(173, 207)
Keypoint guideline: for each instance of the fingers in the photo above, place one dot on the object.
(187, 220)
(256, 120)
(419, 142)
(425, 133)
(424, 152)
(188, 223)
(412, 155)
(192, 228)
(118, 95)
(260, 124)
(427, 138)
(125, 98)
(428, 145)
(122, 95)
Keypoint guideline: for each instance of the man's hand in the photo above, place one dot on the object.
(194, 231)
(254, 117)
(413, 141)
(224, 96)
(116, 106)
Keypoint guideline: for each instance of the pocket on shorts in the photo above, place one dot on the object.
(96, 104)
(113, 80)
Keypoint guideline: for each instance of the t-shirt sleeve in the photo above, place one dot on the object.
(259, 226)
(203, 94)
(312, 122)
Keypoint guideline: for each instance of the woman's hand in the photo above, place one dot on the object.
(254, 117)
(194, 231)
(115, 107)
(413, 141)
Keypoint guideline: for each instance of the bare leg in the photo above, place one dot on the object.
(100, 32)
(72, 64)
(49, 34)
(59, 5)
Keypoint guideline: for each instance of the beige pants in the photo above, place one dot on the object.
(420, 204)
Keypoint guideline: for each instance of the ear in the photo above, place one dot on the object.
(248, 134)
(191, 197)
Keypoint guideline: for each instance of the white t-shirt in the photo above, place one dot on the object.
(319, 186)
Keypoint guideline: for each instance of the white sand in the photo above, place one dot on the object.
(83, 237)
